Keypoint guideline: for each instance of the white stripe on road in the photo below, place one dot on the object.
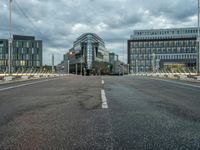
(104, 100)
(102, 81)
(21, 85)
(176, 82)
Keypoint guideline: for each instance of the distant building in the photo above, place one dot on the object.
(87, 55)
(163, 49)
(26, 53)
(60, 68)
(114, 62)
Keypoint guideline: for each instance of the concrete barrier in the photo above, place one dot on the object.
(37, 76)
(25, 77)
(198, 78)
(161, 76)
(8, 78)
(182, 77)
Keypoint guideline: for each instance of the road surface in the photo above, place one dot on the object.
(68, 114)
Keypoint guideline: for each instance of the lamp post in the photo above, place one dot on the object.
(153, 62)
(136, 64)
(81, 73)
(52, 63)
(128, 68)
(68, 66)
(76, 69)
(10, 41)
(123, 69)
(198, 42)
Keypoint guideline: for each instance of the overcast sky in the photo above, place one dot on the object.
(62, 21)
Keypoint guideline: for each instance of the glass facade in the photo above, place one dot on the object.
(25, 54)
(89, 52)
(90, 48)
(147, 52)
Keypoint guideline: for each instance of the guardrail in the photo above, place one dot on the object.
(181, 76)
(26, 76)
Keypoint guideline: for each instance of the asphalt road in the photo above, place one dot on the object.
(66, 114)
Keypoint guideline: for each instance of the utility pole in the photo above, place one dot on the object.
(76, 69)
(81, 63)
(136, 65)
(52, 63)
(10, 41)
(153, 62)
(68, 66)
(119, 69)
(198, 42)
(81, 67)
(123, 69)
(128, 68)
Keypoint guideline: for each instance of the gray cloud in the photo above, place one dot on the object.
(61, 22)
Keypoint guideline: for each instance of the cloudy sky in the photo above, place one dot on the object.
(60, 22)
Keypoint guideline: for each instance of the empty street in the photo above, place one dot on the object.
(100, 113)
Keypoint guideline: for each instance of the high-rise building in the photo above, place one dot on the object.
(163, 49)
(26, 53)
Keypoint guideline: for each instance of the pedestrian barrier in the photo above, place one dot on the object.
(8, 78)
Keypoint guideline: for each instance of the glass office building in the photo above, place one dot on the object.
(88, 50)
(26, 53)
(91, 48)
(163, 49)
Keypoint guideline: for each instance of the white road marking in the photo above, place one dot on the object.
(26, 84)
(175, 82)
(104, 100)
(102, 81)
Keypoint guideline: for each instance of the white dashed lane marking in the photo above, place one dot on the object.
(102, 81)
(104, 100)
(103, 97)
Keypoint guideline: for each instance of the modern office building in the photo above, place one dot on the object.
(88, 54)
(163, 49)
(26, 53)
(116, 66)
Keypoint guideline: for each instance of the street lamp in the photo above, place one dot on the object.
(76, 69)
(10, 41)
(128, 68)
(68, 66)
(198, 41)
(153, 62)
(68, 69)
(81, 62)
(123, 69)
(136, 64)
(52, 63)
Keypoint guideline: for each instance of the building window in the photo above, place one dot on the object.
(22, 63)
